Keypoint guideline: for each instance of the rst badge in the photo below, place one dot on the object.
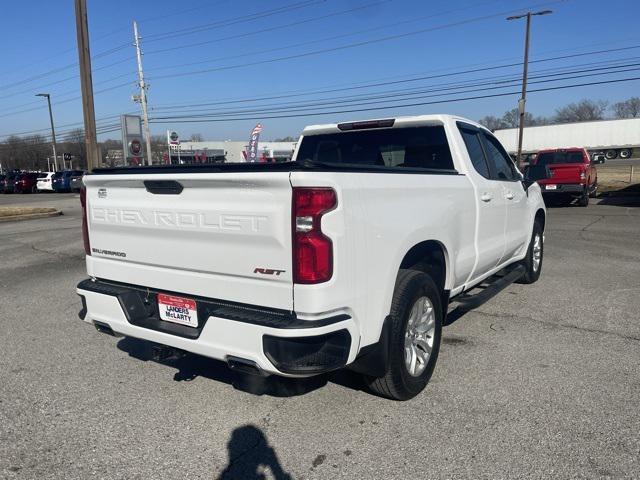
(268, 271)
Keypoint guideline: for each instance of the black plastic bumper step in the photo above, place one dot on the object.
(469, 302)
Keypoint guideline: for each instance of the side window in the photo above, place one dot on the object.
(476, 154)
(502, 165)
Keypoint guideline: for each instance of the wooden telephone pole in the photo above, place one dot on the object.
(84, 55)
(525, 74)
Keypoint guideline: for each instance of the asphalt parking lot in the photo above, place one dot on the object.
(542, 381)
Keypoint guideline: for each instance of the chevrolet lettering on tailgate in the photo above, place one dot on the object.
(181, 219)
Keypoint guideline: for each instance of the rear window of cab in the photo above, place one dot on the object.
(424, 147)
(552, 158)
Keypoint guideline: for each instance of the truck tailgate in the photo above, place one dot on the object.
(565, 173)
(224, 235)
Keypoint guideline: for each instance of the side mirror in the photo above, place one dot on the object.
(533, 173)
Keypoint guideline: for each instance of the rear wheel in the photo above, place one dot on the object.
(583, 201)
(625, 153)
(416, 329)
(533, 260)
(611, 154)
(593, 193)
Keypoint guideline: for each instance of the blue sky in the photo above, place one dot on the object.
(40, 54)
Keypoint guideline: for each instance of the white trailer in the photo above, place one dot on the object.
(612, 138)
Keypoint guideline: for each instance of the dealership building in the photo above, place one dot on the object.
(229, 151)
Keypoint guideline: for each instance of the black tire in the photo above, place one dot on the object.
(532, 273)
(611, 154)
(583, 201)
(625, 153)
(594, 193)
(398, 383)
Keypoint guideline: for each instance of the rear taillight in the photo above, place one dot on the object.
(583, 175)
(312, 250)
(85, 220)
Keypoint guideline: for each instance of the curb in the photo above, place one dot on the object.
(29, 216)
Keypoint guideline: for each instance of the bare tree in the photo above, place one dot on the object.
(492, 123)
(628, 109)
(11, 151)
(511, 119)
(34, 152)
(582, 111)
(74, 143)
(196, 137)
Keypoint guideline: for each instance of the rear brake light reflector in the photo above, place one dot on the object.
(312, 250)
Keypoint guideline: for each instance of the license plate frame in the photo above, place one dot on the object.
(176, 309)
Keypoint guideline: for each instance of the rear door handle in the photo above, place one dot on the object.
(486, 197)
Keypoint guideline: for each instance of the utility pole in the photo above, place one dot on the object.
(53, 130)
(525, 72)
(143, 93)
(84, 54)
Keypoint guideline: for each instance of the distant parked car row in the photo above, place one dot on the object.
(32, 182)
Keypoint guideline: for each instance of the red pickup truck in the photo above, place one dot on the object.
(573, 174)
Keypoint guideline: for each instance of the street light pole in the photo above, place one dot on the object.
(53, 130)
(525, 73)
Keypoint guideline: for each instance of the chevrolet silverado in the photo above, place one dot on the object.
(347, 256)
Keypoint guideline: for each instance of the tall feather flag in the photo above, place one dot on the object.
(252, 150)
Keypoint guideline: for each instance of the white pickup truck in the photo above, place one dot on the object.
(349, 255)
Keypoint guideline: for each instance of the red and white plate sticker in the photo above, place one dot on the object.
(178, 310)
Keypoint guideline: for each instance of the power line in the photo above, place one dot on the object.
(73, 124)
(61, 69)
(47, 142)
(310, 42)
(232, 21)
(42, 87)
(173, 14)
(291, 24)
(384, 99)
(352, 45)
(115, 87)
(350, 88)
(448, 85)
(411, 80)
(396, 106)
(73, 92)
(497, 82)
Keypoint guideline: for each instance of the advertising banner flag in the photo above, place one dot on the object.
(252, 150)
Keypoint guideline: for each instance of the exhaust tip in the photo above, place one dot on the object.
(104, 328)
(245, 366)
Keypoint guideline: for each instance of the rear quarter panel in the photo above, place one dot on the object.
(379, 218)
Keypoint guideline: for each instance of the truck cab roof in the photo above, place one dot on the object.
(397, 122)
